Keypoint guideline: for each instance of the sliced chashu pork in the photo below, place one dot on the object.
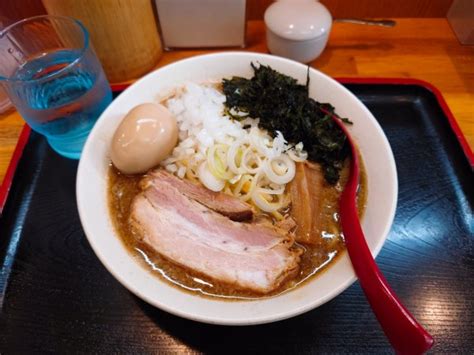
(250, 256)
(229, 206)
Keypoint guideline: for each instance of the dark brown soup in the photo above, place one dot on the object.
(122, 190)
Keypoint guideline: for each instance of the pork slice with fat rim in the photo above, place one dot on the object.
(246, 255)
(220, 202)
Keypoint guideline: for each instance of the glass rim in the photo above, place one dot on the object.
(83, 49)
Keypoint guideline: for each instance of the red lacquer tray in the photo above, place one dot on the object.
(55, 295)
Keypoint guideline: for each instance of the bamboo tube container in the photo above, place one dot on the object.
(123, 32)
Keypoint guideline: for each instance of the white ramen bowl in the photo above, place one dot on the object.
(96, 221)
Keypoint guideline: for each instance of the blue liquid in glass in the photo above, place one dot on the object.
(62, 101)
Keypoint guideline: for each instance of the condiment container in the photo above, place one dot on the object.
(124, 33)
(204, 23)
(297, 29)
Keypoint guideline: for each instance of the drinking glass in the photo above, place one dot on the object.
(53, 77)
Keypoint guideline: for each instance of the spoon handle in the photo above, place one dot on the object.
(405, 334)
(383, 23)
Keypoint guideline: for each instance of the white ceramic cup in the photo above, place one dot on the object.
(297, 29)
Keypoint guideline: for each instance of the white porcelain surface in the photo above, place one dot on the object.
(301, 51)
(298, 20)
(92, 197)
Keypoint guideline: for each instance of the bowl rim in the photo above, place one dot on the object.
(262, 319)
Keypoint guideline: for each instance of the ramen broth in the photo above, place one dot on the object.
(122, 189)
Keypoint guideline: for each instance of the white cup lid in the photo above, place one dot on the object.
(298, 20)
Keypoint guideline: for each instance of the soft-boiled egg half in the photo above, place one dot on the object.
(146, 136)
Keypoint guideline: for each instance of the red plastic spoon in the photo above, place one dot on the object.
(405, 334)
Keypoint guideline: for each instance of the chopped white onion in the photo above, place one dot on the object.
(217, 161)
(297, 156)
(172, 168)
(181, 172)
(251, 156)
(261, 202)
(267, 191)
(279, 177)
(209, 180)
(232, 155)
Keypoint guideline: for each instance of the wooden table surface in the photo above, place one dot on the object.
(425, 49)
